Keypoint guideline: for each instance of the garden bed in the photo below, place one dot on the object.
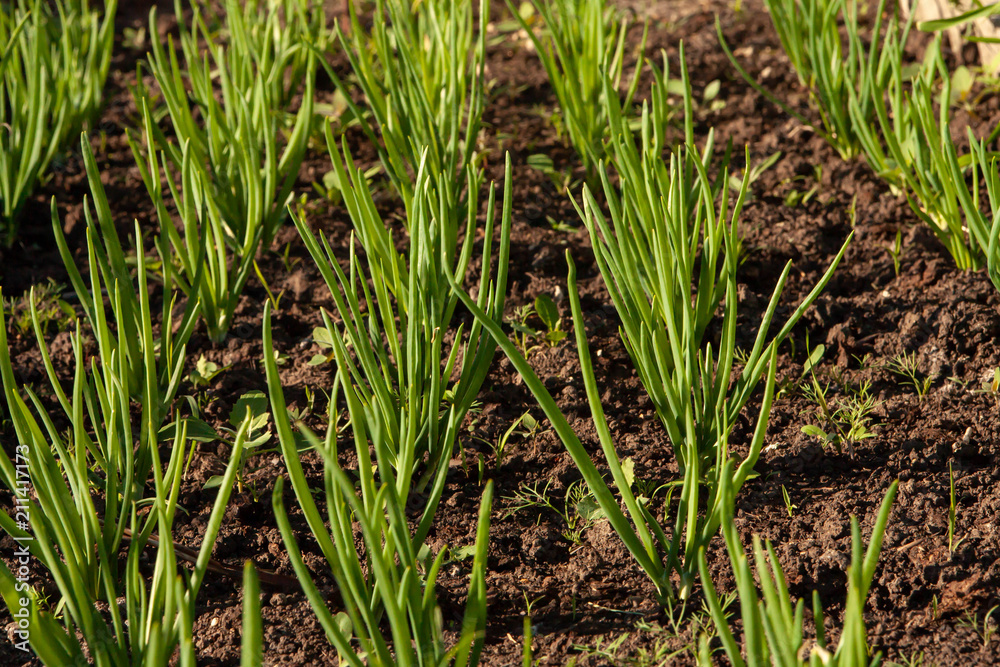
(585, 591)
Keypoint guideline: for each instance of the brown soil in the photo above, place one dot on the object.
(584, 596)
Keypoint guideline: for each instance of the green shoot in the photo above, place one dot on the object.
(810, 32)
(252, 642)
(524, 426)
(756, 171)
(421, 69)
(390, 583)
(527, 634)
(275, 301)
(990, 385)
(662, 213)
(986, 629)
(896, 251)
(788, 502)
(772, 621)
(915, 659)
(55, 477)
(952, 510)
(802, 197)
(53, 66)
(527, 654)
(398, 360)
(226, 175)
(160, 358)
(583, 42)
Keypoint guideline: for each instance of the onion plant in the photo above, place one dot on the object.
(644, 535)
(912, 149)
(395, 370)
(648, 261)
(228, 178)
(281, 32)
(669, 239)
(390, 583)
(141, 354)
(55, 61)
(584, 42)
(810, 32)
(421, 69)
(984, 227)
(55, 477)
(773, 626)
(401, 364)
(871, 103)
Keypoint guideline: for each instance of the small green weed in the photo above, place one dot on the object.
(254, 405)
(524, 426)
(545, 310)
(915, 659)
(991, 386)
(796, 197)
(580, 509)
(846, 422)
(50, 309)
(204, 372)
(906, 366)
(986, 629)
